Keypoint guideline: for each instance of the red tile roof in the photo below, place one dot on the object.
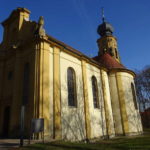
(108, 61)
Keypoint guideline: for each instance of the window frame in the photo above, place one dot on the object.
(134, 96)
(95, 92)
(71, 86)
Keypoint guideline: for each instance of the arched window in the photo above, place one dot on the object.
(71, 81)
(26, 76)
(95, 92)
(134, 96)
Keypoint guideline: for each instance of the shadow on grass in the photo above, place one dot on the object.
(60, 146)
(127, 143)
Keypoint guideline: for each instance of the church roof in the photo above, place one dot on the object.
(73, 50)
(109, 62)
(64, 45)
(105, 61)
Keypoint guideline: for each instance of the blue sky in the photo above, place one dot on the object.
(75, 23)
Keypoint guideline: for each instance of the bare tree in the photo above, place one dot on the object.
(142, 82)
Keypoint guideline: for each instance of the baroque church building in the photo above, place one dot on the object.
(79, 97)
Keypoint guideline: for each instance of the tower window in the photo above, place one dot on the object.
(95, 92)
(71, 81)
(111, 52)
(134, 96)
(116, 53)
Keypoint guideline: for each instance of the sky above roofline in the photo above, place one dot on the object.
(75, 23)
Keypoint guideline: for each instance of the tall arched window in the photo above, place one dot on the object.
(95, 92)
(71, 81)
(134, 96)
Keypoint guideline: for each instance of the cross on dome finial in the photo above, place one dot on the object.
(103, 17)
(105, 28)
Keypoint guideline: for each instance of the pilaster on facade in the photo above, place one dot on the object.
(86, 101)
(107, 105)
(41, 84)
(56, 95)
(122, 103)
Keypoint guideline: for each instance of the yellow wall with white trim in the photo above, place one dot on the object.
(72, 118)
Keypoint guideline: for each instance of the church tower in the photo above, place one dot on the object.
(107, 43)
(121, 81)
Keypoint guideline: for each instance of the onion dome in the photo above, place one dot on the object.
(105, 29)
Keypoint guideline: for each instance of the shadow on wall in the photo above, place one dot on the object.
(73, 117)
(133, 114)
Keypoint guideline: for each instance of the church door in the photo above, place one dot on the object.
(6, 121)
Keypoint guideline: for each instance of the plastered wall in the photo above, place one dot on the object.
(72, 118)
(115, 104)
(108, 105)
(51, 91)
(96, 114)
(132, 113)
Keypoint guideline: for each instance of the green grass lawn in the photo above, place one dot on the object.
(127, 143)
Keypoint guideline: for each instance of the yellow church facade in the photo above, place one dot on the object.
(78, 97)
